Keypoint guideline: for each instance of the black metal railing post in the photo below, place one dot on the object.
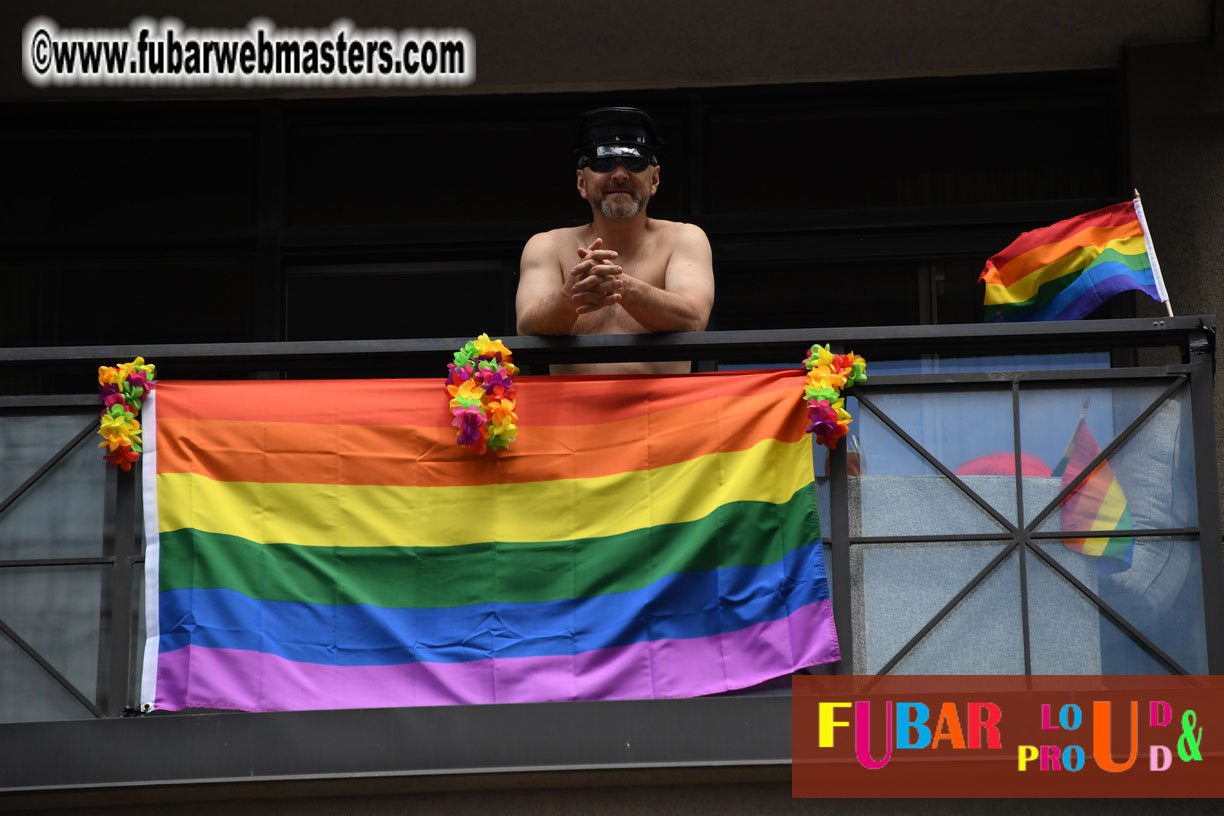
(1201, 354)
(119, 600)
(841, 585)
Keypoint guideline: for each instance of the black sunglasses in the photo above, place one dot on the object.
(605, 164)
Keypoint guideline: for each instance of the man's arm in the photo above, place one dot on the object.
(545, 306)
(684, 302)
(541, 303)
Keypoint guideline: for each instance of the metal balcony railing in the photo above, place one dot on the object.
(940, 559)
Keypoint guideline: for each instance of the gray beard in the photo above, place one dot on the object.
(617, 211)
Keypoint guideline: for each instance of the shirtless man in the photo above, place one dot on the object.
(624, 273)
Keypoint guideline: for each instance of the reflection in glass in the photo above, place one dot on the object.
(938, 421)
(1156, 468)
(1148, 483)
(1048, 416)
(1075, 637)
(899, 493)
(1160, 594)
(1121, 654)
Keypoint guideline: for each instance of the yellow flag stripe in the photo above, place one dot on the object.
(379, 515)
(1109, 517)
(1025, 288)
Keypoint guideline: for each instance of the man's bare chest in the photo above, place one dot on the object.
(650, 267)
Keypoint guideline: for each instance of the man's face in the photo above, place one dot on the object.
(618, 194)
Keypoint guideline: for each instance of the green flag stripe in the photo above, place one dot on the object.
(748, 533)
(1050, 289)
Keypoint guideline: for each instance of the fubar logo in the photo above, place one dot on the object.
(1071, 757)
(912, 731)
(1006, 736)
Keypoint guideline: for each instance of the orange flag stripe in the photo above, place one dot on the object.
(541, 400)
(224, 450)
(1034, 260)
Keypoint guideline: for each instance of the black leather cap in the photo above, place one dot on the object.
(626, 127)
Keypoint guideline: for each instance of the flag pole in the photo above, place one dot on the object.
(1151, 251)
(1061, 467)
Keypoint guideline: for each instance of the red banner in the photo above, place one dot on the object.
(988, 736)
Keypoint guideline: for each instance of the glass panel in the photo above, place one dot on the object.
(61, 514)
(1156, 467)
(1070, 635)
(1160, 593)
(57, 611)
(982, 635)
(1122, 654)
(28, 441)
(1148, 482)
(900, 493)
(1064, 626)
(1048, 416)
(938, 422)
(1049, 420)
(29, 694)
(899, 587)
(941, 364)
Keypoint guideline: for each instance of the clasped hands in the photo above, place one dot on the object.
(595, 281)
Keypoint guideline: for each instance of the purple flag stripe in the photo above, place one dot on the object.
(199, 677)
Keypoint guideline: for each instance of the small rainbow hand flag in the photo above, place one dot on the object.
(1066, 270)
(1098, 503)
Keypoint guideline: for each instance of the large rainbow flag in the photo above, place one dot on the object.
(1067, 270)
(1097, 504)
(321, 545)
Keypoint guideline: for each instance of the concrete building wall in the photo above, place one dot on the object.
(554, 45)
(1176, 101)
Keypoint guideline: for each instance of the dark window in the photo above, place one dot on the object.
(862, 203)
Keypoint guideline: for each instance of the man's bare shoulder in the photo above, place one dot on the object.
(676, 232)
(567, 238)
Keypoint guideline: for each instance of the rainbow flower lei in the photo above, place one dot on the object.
(828, 375)
(121, 389)
(482, 395)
